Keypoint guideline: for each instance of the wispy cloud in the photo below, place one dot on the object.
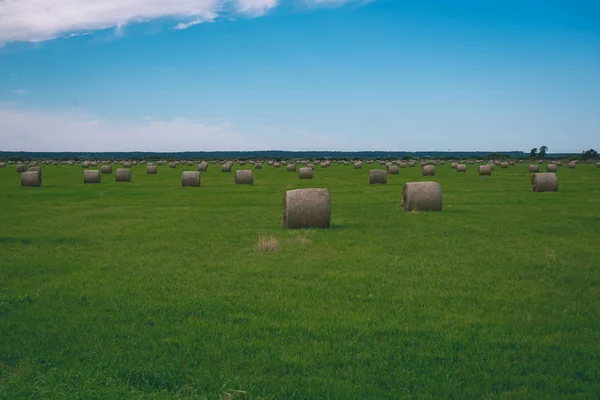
(20, 92)
(37, 21)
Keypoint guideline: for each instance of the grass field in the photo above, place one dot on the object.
(150, 290)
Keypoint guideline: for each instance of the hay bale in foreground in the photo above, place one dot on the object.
(151, 169)
(243, 177)
(31, 178)
(36, 169)
(461, 167)
(306, 208)
(291, 168)
(190, 178)
(485, 169)
(305, 173)
(377, 176)
(91, 176)
(123, 175)
(428, 170)
(422, 196)
(544, 182)
(393, 169)
(551, 168)
(106, 169)
(203, 166)
(534, 168)
(21, 168)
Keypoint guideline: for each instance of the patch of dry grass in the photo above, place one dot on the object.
(267, 243)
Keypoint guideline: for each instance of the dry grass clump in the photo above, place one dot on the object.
(266, 243)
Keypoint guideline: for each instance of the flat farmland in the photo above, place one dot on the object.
(146, 289)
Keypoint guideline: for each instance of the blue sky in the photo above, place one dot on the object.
(177, 75)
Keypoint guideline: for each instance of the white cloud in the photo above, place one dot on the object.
(20, 92)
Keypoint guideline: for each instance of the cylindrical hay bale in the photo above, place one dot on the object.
(403, 165)
(31, 178)
(504, 165)
(551, 168)
(276, 164)
(324, 165)
(126, 164)
(85, 164)
(485, 170)
(572, 165)
(257, 165)
(428, 170)
(291, 168)
(244, 177)
(453, 165)
(377, 176)
(306, 208)
(226, 167)
(534, 168)
(305, 173)
(106, 169)
(422, 196)
(190, 178)
(411, 164)
(393, 169)
(173, 165)
(123, 175)
(2, 165)
(36, 169)
(91, 176)
(461, 167)
(151, 169)
(21, 168)
(203, 166)
(357, 165)
(544, 182)
(597, 164)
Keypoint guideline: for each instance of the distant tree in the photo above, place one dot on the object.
(533, 153)
(542, 152)
(589, 154)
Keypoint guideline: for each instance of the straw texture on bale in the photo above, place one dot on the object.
(428, 170)
(377, 176)
(151, 169)
(226, 167)
(572, 165)
(31, 178)
(276, 164)
(551, 168)
(106, 169)
(173, 165)
(123, 175)
(504, 165)
(91, 176)
(393, 169)
(453, 165)
(485, 170)
(21, 168)
(306, 208)
(190, 178)
(305, 173)
(461, 168)
(244, 177)
(422, 196)
(2, 165)
(357, 165)
(411, 164)
(203, 166)
(534, 168)
(85, 164)
(291, 168)
(544, 182)
(36, 169)
(257, 165)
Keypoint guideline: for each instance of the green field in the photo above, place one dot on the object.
(150, 290)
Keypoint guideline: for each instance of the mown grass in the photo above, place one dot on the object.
(150, 290)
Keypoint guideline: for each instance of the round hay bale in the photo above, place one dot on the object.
(551, 168)
(306, 208)
(126, 164)
(358, 165)
(106, 169)
(190, 178)
(36, 169)
(572, 165)
(203, 166)
(276, 165)
(428, 170)
(305, 173)
(453, 165)
(393, 169)
(173, 165)
(534, 168)
(2, 165)
(226, 167)
(291, 168)
(411, 164)
(257, 165)
(544, 182)
(21, 168)
(91, 176)
(377, 176)
(85, 164)
(244, 177)
(324, 165)
(597, 164)
(422, 196)
(31, 178)
(461, 167)
(504, 165)
(151, 169)
(485, 169)
(403, 165)
(123, 175)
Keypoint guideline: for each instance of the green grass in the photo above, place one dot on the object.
(150, 290)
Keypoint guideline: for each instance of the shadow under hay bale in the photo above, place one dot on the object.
(306, 208)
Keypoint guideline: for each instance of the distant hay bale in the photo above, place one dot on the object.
(485, 169)
(36, 169)
(94, 164)
(492, 166)
(453, 165)
(203, 166)
(551, 168)
(91, 176)
(151, 169)
(31, 178)
(257, 165)
(534, 168)
(226, 167)
(544, 182)
(305, 173)
(324, 165)
(173, 165)
(276, 164)
(504, 165)
(2, 165)
(291, 168)
(190, 178)
(306, 208)
(422, 196)
(244, 177)
(85, 164)
(377, 176)
(21, 168)
(403, 165)
(428, 170)
(572, 165)
(310, 165)
(106, 169)
(123, 175)
(511, 163)
(558, 163)
(598, 164)
(126, 164)
(357, 165)
(461, 167)
(393, 169)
